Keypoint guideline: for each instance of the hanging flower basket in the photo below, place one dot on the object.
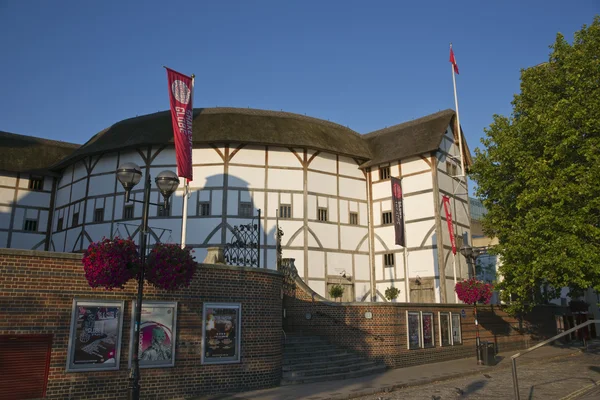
(473, 291)
(110, 263)
(170, 267)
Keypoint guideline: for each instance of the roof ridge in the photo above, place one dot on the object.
(36, 139)
(407, 123)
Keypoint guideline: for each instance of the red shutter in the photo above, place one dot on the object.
(24, 364)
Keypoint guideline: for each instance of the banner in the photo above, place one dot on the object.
(182, 114)
(398, 211)
(446, 201)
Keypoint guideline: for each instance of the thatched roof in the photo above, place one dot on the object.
(230, 125)
(419, 136)
(20, 153)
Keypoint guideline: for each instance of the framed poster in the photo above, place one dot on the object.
(456, 334)
(221, 333)
(158, 333)
(427, 329)
(414, 330)
(445, 329)
(95, 336)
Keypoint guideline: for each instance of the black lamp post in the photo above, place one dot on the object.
(130, 174)
(471, 255)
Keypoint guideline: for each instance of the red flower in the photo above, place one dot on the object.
(111, 263)
(473, 291)
(170, 267)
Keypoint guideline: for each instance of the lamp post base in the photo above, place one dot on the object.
(478, 351)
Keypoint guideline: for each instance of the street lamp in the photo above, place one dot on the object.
(471, 255)
(130, 174)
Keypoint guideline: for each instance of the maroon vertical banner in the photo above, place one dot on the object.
(398, 211)
(182, 114)
(446, 201)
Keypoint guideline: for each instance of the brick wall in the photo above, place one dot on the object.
(36, 294)
(384, 336)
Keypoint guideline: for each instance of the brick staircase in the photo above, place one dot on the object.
(309, 359)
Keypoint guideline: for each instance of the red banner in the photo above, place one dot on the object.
(446, 201)
(182, 114)
(398, 211)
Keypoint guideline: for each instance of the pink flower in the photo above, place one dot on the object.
(473, 291)
(111, 263)
(170, 267)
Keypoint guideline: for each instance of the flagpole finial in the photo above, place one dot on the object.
(193, 76)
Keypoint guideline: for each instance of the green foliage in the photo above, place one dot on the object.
(391, 293)
(336, 291)
(539, 176)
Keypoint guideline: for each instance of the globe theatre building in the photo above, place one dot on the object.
(327, 185)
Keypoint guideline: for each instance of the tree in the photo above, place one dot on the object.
(539, 176)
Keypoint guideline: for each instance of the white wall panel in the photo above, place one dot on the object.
(286, 179)
(7, 195)
(363, 216)
(165, 157)
(418, 206)
(337, 263)
(298, 205)
(5, 212)
(319, 287)
(324, 162)
(417, 232)
(104, 184)
(289, 228)
(361, 289)
(353, 189)
(78, 190)
(322, 183)
(282, 157)
(247, 177)
(253, 155)
(32, 198)
(417, 183)
(8, 179)
(217, 202)
(361, 267)
(132, 156)
(312, 206)
(349, 167)
(326, 233)
(414, 164)
(351, 236)
(421, 263)
(316, 264)
(3, 239)
(80, 170)
(107, 163)
(19, 219)
(208, 176)
(382, 189)
(206, 155)
(344, 213)
(22, 240)
(232, 202)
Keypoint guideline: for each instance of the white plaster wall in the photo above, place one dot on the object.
(78, 190)
(421, 263)
(62, 196)
(324, 162)
(319, 287)
(23, 240)
(207, 176)
(132, 156)
(289, 228)
(8, 179)
(205, 155)
(349, 167)
(414, 164)
(361, 267)
(361, 289)
(252, 155)
(420, 233)
(5, 212)
(80, 171)
(417, 183)
(418, 206)
(250, 177)
(3, 239)
(316, 264)
(326, 233)
(321, 183)
(382, 189)
(286, 179)
(353, 189)
(102, 184)
(107, 163)
(7, 195)
(351, 236)
(282, 157)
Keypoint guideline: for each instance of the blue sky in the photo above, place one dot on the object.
(70, 69)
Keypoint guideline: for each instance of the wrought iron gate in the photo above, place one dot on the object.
(244, 249)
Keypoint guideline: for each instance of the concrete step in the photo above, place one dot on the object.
(339, 361)
(299, 340)
(330, 377)
(305, 354)
(295, 349)
(361, 365)
(315, 358)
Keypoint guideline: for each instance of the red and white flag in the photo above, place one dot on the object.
(182, 114)
(446, 201)
(453, 60)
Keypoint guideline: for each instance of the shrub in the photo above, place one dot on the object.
(391, 293)
(336, 291)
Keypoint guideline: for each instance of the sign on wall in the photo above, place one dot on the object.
(158, 333)
(397, 203)
(95, 336)
(221, 333)
(414, 330)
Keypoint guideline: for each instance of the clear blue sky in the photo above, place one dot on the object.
(72, 68)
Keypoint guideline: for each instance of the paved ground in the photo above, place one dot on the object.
(547, 373)
(573, 377)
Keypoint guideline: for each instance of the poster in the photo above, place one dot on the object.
(221, 333)
(414, 330)
(445, 328)
(456, 336)
(428, 330)
(157, 334)
(95, 336)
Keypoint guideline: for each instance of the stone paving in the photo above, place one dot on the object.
(576, 376)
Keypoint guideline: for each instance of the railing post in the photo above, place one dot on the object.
(515, 380)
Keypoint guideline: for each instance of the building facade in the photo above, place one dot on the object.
(327, 186)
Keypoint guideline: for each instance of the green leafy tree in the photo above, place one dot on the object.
(539, 176)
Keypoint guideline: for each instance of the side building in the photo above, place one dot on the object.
(328, 186)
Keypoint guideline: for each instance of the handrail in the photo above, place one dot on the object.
(541, 344)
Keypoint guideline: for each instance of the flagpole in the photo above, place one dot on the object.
(186, 191)
(460, 141)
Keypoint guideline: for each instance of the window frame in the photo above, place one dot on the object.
(385, 172)
(285, 215)
(390, 215)
(355, 215)
(322, 211)
(97, 216)
(75, 219)
(30, 221)
(126, 208)
(451, 324)
(34, 182)
(161, 213)
(60, 224)
(408, 330)
(247, 207)
(201, 205)
(385, 260)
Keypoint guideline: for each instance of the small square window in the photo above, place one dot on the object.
(285, 211)
(454, 170)
(75, 221)
(59, 224)
(245, 209)
(384, 173)
(99, 215)
(128, 211)
(322, 214)
(163, 212)
(204, 209)
(387, 218)
(449, 168)
(353, 218)
(36, 183)
(388, 260)
(30, 225)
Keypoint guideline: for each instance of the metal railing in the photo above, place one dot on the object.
(541, 344)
